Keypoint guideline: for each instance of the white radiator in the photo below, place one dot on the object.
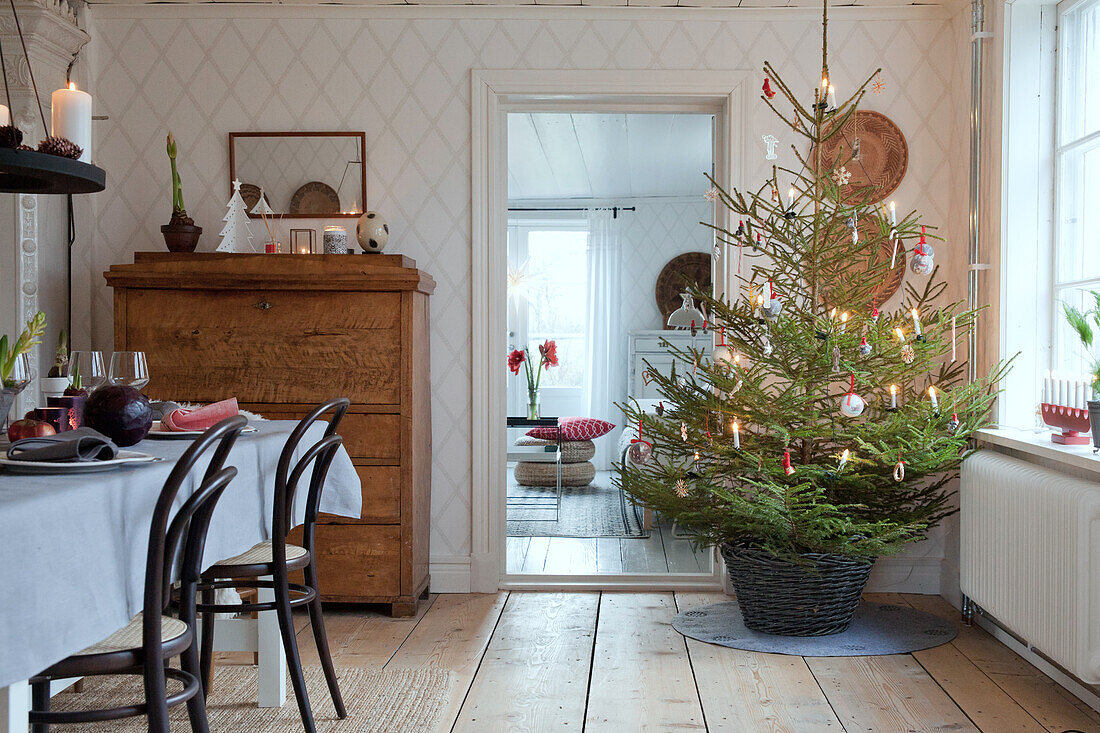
(1031, 556)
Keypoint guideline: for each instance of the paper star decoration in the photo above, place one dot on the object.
(681, 488)
(841, 176)
(879, 86)
(711, 195)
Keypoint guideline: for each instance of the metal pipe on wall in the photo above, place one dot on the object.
(977, 35)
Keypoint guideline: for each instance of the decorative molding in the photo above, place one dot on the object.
(27, 236)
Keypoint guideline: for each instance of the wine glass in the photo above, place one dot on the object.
(129, 368)
(16, 381)
(87, 366)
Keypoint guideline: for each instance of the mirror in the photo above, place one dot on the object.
(300, 174)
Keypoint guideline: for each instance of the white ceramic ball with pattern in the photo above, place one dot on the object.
(921, 264)
(372, 231)
(722, 354)
(852, 405)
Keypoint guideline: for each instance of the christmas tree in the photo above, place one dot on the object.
(235, 235)
(819, 424)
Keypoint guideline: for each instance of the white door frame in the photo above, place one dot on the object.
(493, 92)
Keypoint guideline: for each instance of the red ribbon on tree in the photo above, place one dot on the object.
(787, 467)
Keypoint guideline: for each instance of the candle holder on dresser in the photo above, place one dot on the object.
(1072, 421)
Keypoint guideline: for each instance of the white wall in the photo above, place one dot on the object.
(402, 74)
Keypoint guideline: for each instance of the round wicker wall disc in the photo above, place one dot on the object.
(687, 267)
(250, 192)
(883, 155)
(891, 282)
(315, 198)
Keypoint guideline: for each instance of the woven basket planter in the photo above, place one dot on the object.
(572, 451)
(816, 598)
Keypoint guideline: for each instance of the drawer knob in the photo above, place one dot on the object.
(263, 305)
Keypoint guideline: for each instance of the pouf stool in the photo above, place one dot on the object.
(576, 469)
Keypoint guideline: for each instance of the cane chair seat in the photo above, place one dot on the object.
(129, 636)
(262, 554)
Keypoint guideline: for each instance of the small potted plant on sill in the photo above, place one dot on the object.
(180, 234)
(13, 378)
(55, 382)
(1082, 323)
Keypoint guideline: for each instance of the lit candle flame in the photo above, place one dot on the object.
(72, 85)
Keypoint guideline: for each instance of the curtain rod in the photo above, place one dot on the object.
(613, 209)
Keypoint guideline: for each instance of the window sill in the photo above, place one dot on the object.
(1038, 448)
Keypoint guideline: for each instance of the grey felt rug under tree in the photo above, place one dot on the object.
(596, 510)
(876, 628)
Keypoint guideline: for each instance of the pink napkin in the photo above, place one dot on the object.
(200, 418)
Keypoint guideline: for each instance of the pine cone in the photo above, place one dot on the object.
(10, 136)
(25, 147)
(60, 146)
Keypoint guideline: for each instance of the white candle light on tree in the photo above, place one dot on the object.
(843, 321)
(953, 347)
(71, 118)
(736, 436)
(935, 400)
(916, 324)
(893, 214)
(790, 197)
(893, 396)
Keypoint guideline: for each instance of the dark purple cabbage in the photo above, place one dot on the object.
(121, 413)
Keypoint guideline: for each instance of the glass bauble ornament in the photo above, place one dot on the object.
(640, 452)
(851, 405)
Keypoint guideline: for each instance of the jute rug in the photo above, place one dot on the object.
(377, 702)
(877, 628)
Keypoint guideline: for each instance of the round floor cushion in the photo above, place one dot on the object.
(572, 451)
(530, 473)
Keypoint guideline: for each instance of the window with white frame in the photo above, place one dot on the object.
(1076, 265)
(547, 298)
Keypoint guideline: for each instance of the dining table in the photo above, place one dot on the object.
(73, 549)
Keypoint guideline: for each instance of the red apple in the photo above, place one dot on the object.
(27, 428)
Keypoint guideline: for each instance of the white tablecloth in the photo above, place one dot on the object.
(73, 548)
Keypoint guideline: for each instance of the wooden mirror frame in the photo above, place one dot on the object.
(363, 168)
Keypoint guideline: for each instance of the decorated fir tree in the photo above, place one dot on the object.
(820, 424)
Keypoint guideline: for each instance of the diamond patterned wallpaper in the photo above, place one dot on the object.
(403, 77)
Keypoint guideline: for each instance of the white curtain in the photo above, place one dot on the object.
(605, 353)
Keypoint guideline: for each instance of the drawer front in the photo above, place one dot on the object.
(268, 346)
(359, 561)
(372, 436)
(381, 496)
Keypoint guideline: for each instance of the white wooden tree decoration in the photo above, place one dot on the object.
(235, 235)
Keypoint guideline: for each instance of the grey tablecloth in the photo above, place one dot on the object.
(72, 548)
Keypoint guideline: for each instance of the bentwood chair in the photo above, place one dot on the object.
(276, 558)
(152, 637)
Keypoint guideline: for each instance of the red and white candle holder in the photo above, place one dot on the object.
(1072, 421)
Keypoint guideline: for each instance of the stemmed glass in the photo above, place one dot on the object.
(129, 368)
(88, 366)
(13, 384)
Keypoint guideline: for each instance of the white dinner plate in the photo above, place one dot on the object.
(125, 458)
(159, 433)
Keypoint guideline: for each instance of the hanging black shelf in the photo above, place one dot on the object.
(28, 171)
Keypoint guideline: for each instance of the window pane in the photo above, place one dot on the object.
(1079, 56)
(1071, 358)
(1078, 246)
(557, 300)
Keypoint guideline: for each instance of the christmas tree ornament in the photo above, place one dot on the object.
(766, 347)
(841, 176)
(897, 243)
(874, 314)
(836, 358)
(851, 405)
(768, 91)
(740, 229)
(373, 232)
(787, 467)
(908, 355)
(660, 409)
(899, 470)
(922, 263)
(953, 423)
(684, 431)
(640, 448)
(864, 347)
(736, 435)
(770, 142)
(681, 488)
(919, 333)
(775, 195)
(722, 354)
(236, 236)
(843, 461)
(711, 194)
(878, 86)
(893, 397)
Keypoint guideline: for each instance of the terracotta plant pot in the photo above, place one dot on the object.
(181, 237)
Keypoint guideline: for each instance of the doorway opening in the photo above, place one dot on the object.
(580, 201)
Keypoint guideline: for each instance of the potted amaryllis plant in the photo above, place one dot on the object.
(548, 357)
(180, 234)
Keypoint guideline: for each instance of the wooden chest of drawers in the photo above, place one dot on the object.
(282, 333)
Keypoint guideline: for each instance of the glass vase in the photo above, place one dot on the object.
(532, 403)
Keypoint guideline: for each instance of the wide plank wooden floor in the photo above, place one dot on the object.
(612, 662)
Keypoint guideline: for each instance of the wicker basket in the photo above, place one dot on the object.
(777, 596)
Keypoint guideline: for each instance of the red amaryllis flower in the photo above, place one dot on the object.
(515, 360)
(549, 353)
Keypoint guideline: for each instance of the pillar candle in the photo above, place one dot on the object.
(5, 115)
(71, 118)
(1046, 387)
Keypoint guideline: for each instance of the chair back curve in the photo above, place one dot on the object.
(186, 531)
(290, 472)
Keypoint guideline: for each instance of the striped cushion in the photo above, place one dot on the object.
(262, 553)
(129, 636)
